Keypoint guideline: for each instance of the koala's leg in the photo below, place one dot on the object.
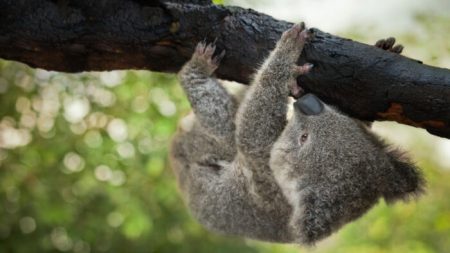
(262, 115)
(213, 106)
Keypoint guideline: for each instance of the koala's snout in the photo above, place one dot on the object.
(309, 104)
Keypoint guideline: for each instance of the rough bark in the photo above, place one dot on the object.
(363, 81)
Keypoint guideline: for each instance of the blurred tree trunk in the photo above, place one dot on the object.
(363, 81)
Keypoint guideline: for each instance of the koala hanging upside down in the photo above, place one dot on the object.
(245, 170)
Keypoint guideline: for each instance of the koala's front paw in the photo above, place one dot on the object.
(203, 55)
(288, 51)
(388, 45)
(295, 37)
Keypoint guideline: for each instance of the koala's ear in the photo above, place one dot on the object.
(404, 180)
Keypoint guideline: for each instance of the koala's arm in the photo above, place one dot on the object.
(262, 115)
(213, 106)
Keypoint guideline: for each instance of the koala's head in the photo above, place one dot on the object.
(322, 143)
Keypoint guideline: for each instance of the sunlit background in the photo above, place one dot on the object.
(83, 157)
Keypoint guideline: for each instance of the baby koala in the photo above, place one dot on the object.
(245, 170)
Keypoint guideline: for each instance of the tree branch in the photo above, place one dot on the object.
(363, 81)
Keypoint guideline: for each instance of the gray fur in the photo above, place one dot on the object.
(247, 171)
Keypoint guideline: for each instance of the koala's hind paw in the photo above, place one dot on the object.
(204, 53)
(388, 44)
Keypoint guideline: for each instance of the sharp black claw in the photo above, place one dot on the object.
(380, 43)
(302, 25)
(219, 57)
(389, 43)
(397, 49)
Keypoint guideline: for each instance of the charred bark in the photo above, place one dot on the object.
(363, 81)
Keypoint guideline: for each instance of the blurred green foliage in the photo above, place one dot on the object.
(84, 168)
(84, 164)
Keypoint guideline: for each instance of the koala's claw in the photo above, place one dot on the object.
(200, 48)
(205, 50)
(385, 43)
(296, 91)
(296, 34)
(217, 59)
(296, 29)
(303, 69)
(397, 49)
(388, 44)
(209, 50)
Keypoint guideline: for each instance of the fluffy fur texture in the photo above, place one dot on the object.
(245, 170)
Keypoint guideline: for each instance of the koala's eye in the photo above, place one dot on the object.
(303, 138)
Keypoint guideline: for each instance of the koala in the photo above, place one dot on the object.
(244, 169)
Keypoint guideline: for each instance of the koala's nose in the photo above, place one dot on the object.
(309, 104)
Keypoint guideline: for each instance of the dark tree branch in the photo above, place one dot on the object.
(84, 35)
